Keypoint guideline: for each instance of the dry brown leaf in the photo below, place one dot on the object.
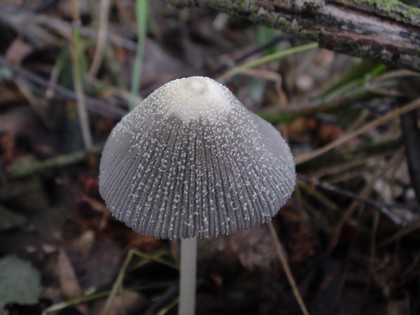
(17, 51)
(68, 280)
(102, 263)
(83, 244)
(397, 306)
(125, 303)
(252, 248)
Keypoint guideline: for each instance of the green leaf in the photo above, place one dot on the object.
(19, 282)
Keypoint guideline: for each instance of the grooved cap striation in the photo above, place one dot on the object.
(192, 161)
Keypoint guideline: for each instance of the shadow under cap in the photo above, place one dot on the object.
(192, 161)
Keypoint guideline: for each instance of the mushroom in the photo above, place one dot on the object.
(192, 162)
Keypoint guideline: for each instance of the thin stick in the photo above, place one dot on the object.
(95, 105)
(188, 275)
(286, 268)
(348, 136)
(20, 170)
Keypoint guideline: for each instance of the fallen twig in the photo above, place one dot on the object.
(383, 207)
(365, 29)
(98, 106)
(348, 136)
(18, 170)
(283, 259)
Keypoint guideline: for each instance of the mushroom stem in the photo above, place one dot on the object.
(188, 275)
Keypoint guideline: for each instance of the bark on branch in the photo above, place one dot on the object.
(383, 30)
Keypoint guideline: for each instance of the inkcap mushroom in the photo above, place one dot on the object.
(192, 162)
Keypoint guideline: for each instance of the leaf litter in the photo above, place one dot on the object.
(346, 252)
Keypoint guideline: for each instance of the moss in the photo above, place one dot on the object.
(389, 8)
(387, 55)
(310, 34)
(308, 4)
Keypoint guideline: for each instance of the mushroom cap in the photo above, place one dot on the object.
(192, 161)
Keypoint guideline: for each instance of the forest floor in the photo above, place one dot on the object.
(351, 230)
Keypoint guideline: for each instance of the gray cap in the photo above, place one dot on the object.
(192, 161)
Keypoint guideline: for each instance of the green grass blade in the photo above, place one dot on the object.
(142, 10)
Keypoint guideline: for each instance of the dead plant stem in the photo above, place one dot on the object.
(283, 260)
(348, 136)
